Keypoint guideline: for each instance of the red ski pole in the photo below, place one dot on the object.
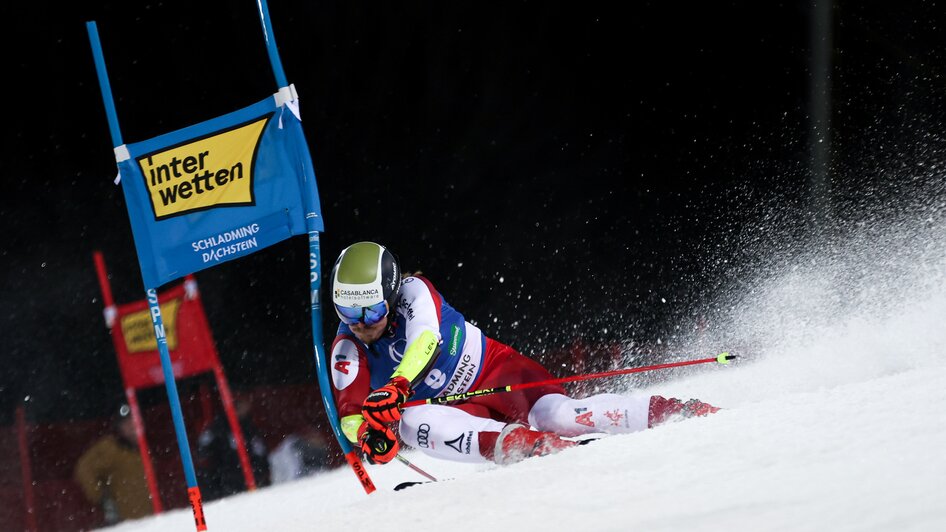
(722, 358)
(420, 471)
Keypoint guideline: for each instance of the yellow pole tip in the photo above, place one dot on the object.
(723, 358)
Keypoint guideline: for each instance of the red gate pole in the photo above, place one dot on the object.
(26, 469)
(110, 315)
(143, 450)
(226, 397)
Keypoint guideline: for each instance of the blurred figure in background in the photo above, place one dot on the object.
(301, 454)
(218, 465)
(111, 474)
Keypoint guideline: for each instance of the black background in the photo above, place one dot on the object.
(559, 170)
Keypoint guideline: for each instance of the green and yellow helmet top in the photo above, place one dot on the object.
(365, 274)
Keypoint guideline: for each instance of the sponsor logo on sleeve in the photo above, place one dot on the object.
(344, 364)
(406, 309)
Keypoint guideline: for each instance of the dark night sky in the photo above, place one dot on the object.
(557, 169)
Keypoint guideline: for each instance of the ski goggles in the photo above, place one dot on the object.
(369, 315)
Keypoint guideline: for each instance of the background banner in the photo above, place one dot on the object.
(190, 342)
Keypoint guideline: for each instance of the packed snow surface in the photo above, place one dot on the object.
(834, 419)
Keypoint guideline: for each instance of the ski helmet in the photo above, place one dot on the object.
(365, 275)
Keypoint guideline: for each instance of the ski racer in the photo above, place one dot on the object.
(399, 339)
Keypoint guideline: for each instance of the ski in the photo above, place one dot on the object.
(405, 485)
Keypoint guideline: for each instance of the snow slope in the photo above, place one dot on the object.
(834, 421)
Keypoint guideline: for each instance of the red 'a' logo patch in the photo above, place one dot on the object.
(342, 366)
(585, 419)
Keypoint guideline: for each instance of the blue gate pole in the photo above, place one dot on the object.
(271, 49)
(310, 202)
(325, 387)
(193, 491)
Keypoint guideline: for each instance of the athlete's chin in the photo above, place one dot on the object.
(368, 339)
(369, 335)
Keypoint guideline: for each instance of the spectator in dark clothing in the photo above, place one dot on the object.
(218, 465)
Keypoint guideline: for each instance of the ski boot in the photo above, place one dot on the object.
(663, 410)
(516, 443)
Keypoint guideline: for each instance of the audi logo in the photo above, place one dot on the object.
(423, 431)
